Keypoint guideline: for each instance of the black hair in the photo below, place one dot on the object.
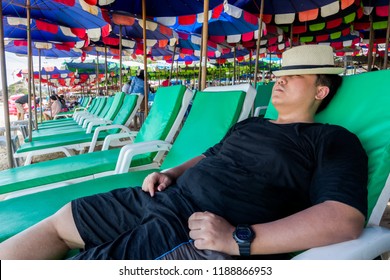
(53, 97)
(141, 74)
(333, 82)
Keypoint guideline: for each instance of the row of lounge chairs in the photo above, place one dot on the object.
(359, 106)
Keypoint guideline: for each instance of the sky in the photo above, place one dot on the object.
(15, 63)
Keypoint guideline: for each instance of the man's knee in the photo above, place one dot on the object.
(65, 227)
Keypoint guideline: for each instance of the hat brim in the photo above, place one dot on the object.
(325, 70)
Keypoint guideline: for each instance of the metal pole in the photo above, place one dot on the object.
(258, 42)
(205, 32)
(29, 53)
(146, 88)
(106, 68)
(40, 85)
(120, 57)
(5, 93)
(386, 57)
(173, 60)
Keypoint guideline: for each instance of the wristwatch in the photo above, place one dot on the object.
(244, 235)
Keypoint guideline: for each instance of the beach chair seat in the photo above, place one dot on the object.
(162, 123)
(205, 125)
(362, 106)
(69, 143)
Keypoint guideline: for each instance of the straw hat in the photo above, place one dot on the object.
(308, 59)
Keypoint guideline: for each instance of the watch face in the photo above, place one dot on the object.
(244, 234)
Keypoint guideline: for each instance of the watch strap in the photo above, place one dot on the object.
(244, 248)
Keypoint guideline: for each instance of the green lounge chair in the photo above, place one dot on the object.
(69, 143)
(204, 119)
(263, 96)
(362, 106)
(162, 123)
(86, 124)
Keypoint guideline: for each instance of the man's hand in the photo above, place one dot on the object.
(156, 182)
(212, 232)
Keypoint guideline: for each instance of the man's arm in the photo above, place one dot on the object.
(159, 181)
(322, 224)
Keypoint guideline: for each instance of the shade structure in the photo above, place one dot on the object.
(16, 28)
(82, 23)
(42, 49)
(287, 11)
(157, 8)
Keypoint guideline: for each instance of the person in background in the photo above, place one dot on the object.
(165, 83)
(19, 104)
(55, 107)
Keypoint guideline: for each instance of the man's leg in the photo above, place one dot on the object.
(49, 239)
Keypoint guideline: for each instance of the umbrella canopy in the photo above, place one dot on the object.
(82, 22)
(158, 8)
(287, 11)
(42, 49)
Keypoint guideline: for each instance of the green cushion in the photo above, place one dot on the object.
(157, 125)
(211, 115)
(263, 95)
(362, 106)
(129, 103)
(21, 212)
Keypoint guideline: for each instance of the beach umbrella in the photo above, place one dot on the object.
(157, 8)
(84, 24)
(82, 18)
(5, 95)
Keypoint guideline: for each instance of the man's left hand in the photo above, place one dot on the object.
(212, 232)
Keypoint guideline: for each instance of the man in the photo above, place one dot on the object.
(19, 104)
(269, 187)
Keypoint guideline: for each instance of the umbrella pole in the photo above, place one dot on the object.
(205, 32)
(29, 61)
(258, 42)
(5, 94)
(97, 74)
(106, 68)
(200, 63)
(173, 60)
(234, 67)
(146, 88)
(386, 56)
(40, 85)
(120, 57)
(34, 96)
(371, 45)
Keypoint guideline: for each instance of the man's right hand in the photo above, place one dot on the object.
(156, 181)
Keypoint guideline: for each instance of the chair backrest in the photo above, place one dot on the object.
(100, 106)
(163, 119)
(263, 95)
(106, 107)
(362, 105)
(129, 106)
(211, 115)
(250, 94)
(115, 106)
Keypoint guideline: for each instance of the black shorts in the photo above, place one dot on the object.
(129, 224)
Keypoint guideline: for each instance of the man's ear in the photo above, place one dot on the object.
(322, 92)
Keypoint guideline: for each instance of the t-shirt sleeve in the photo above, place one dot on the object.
(342, 171)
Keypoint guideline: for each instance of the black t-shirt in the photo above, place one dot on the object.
(22, 100)
(263, 171)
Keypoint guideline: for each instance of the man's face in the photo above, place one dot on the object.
(296, 91)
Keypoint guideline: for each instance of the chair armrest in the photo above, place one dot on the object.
(373, 242)
(116, 136)
(129, 151)
(95, 122)
(258, 110)
(102, 128)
